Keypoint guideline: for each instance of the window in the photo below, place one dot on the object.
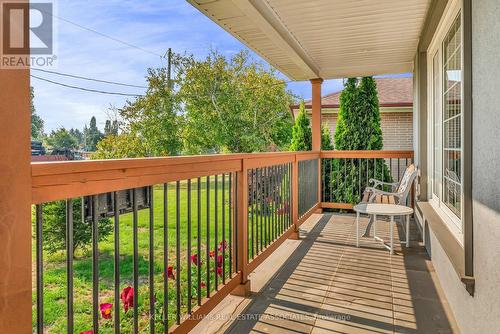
(445, 124)
(452, 118)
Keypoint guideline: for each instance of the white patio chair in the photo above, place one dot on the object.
(399, 194)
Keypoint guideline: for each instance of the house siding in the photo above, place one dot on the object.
(479, 313)
(397, 129)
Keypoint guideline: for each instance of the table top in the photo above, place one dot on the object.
(383, 209)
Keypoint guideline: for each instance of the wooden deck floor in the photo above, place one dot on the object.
(327, 285)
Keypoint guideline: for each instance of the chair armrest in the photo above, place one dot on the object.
(378, 182)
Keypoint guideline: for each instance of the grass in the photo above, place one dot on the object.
(55, 277)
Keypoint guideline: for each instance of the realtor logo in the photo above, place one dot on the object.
(27, 34)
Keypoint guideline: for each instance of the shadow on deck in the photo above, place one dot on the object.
(327, 285)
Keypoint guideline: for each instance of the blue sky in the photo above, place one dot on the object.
(151, 25)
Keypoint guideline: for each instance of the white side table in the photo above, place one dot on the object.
(390, 210)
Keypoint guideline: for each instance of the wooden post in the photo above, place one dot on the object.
(316, 127)
(316, 114)
(295, 199)
(243, 289)
(15, 203)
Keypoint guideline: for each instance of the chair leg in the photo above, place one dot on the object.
(368, 227)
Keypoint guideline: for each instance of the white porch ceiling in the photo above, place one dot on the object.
(325, 38)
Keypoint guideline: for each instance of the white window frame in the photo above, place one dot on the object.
(454, 223)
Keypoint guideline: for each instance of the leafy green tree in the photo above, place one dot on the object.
(54, 227)
(155, 118)
(62, 139)
(78, 136)
(301, 132)
(36, 120)
(233, 105)
(124, 145)
(358, 128)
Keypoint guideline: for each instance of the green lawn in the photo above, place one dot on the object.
(55, 287)
(55, 267)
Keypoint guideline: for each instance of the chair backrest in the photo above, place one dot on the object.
(406, 181)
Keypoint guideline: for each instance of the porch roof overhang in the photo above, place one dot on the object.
(325, 38)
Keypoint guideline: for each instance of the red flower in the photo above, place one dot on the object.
(219, 271)
(127, 297)
(203, 285)
(87, 332)
(170, 272)
(106, 310)
(212, 253)
(219, 261)
(196, 260)
(222, 245)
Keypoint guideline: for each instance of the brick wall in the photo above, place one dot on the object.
(397, 129)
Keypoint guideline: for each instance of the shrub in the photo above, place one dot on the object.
(54, 227)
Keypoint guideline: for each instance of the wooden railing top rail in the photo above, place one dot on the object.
(367, 154)
(70, 179)
(52, 181)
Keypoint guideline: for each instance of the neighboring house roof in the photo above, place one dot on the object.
(392, 92)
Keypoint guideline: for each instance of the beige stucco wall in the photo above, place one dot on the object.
(481, 313)
(397, 129)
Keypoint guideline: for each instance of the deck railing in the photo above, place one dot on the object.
(182, 233)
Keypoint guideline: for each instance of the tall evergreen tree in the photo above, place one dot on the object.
(301, 132)
(92, 135)
(110, 128)
(326, 138)
(358, 128)
(36, 120)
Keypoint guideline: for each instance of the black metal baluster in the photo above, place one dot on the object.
(236, 198)
(275, 201)
(338, 177)
(367, 163)
(230, 226)
(290, 197)
(135, 259)
(178, 248)
(271, 204)
(359, 179)
(216, 233)
(198, 246)
(188, 266)
(269, 200)
(69, 266)
(208, 235)
(224, 244)
(116, 261)
(260, 206)
(390, 170)
(151, 263)
(323, 181)
(268, 187)
(165, 257)
(95, 265)
(39, 268)
(252, 210)
(331, 180)
(282, 199)
(399, 167)
(270, 207)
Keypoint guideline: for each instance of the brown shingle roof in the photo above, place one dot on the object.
(392, 92)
